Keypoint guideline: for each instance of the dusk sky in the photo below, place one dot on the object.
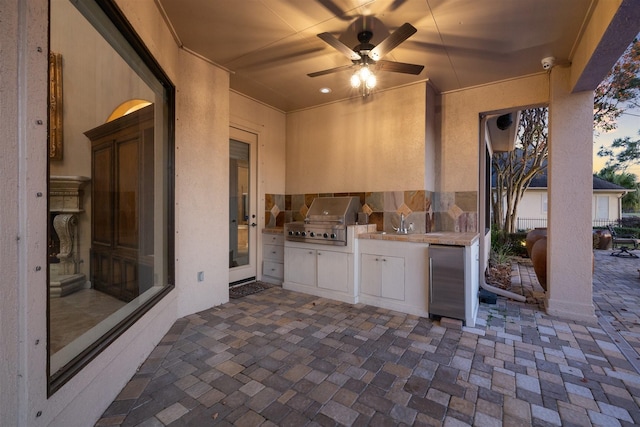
(628, 125)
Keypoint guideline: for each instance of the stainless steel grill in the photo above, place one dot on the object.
(326, 221)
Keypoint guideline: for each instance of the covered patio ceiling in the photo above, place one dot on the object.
(269, 46)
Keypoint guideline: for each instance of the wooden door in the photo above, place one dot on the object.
(122, 211)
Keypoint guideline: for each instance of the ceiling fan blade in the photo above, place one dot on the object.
(339, 46)
(335, 9)
(399, 67)
(330, 71)
(405, 31)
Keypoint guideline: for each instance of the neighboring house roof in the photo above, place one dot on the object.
(540, 182)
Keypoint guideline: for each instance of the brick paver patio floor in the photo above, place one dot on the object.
(280, 358)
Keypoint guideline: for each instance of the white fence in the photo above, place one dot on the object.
(531, 223)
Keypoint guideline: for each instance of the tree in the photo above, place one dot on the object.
(619, 90)
(631, 201)
(622, 153)
(514, 170)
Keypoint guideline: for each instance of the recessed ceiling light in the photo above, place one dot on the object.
(325, 90)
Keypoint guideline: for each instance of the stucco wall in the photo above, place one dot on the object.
(461, 125)
(202, 176)
(10, 246)
(270, 126)
(569, 289)
(202, 120)
(363, 144)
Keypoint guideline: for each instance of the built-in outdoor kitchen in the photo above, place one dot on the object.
(334, 252)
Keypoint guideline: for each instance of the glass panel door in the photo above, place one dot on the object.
(242, 207)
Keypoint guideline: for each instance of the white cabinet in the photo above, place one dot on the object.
(326, 271)
(382, 276)
(394, 275)
(333, 270)
(273, 258)
(303, 266)
(472, 283)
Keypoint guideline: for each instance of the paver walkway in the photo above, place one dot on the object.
(288, 359)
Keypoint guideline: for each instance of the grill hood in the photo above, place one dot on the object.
(333, 210)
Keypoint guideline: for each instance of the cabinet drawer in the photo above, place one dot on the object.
(273, 252)
(273, 269)
(273, 239)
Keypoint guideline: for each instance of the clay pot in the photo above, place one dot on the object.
(533, 236)
(539, 260)
(604, 239)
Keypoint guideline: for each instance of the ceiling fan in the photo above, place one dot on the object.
(367, 55)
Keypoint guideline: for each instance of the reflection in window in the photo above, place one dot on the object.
(110, 244)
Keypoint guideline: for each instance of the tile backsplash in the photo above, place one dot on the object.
(426, 210)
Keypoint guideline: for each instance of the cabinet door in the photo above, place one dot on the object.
(333, 270)
(300, 266)
(370, 275)
(392, 277)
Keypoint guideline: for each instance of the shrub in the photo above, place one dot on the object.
(627, 232)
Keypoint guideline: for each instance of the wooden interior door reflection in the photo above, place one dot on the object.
(122, 210)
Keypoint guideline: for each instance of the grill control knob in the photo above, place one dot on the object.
(304, 233)
(333, 235)
(325, 235)
(290, 233)
(297, 233)
(312, 234)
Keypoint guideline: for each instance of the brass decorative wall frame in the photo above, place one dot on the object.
(55, 106)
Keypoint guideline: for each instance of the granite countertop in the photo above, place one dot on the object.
(436, 238)
(366, 228)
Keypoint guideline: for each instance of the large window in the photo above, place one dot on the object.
(110, 245)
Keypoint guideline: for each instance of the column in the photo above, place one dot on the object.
(570, 186)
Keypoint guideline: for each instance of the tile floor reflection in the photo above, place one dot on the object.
(72, 315)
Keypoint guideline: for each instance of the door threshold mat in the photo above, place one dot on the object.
(248, 289)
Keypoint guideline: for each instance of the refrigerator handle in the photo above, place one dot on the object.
(430, 280)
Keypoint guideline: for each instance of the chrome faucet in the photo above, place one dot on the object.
(402, 229)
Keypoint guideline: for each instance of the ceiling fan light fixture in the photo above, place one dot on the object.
(364, 78)
(355, 80)
(364, 72)
(371, 81)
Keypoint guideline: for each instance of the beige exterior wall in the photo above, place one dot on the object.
(202, 120)
(531, 205)
(363, 144)
(202, 184)
(461, 125)
(270, 126)
(569, 245)
(13, 262)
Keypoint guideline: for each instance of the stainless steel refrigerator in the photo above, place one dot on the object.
(446, 281)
